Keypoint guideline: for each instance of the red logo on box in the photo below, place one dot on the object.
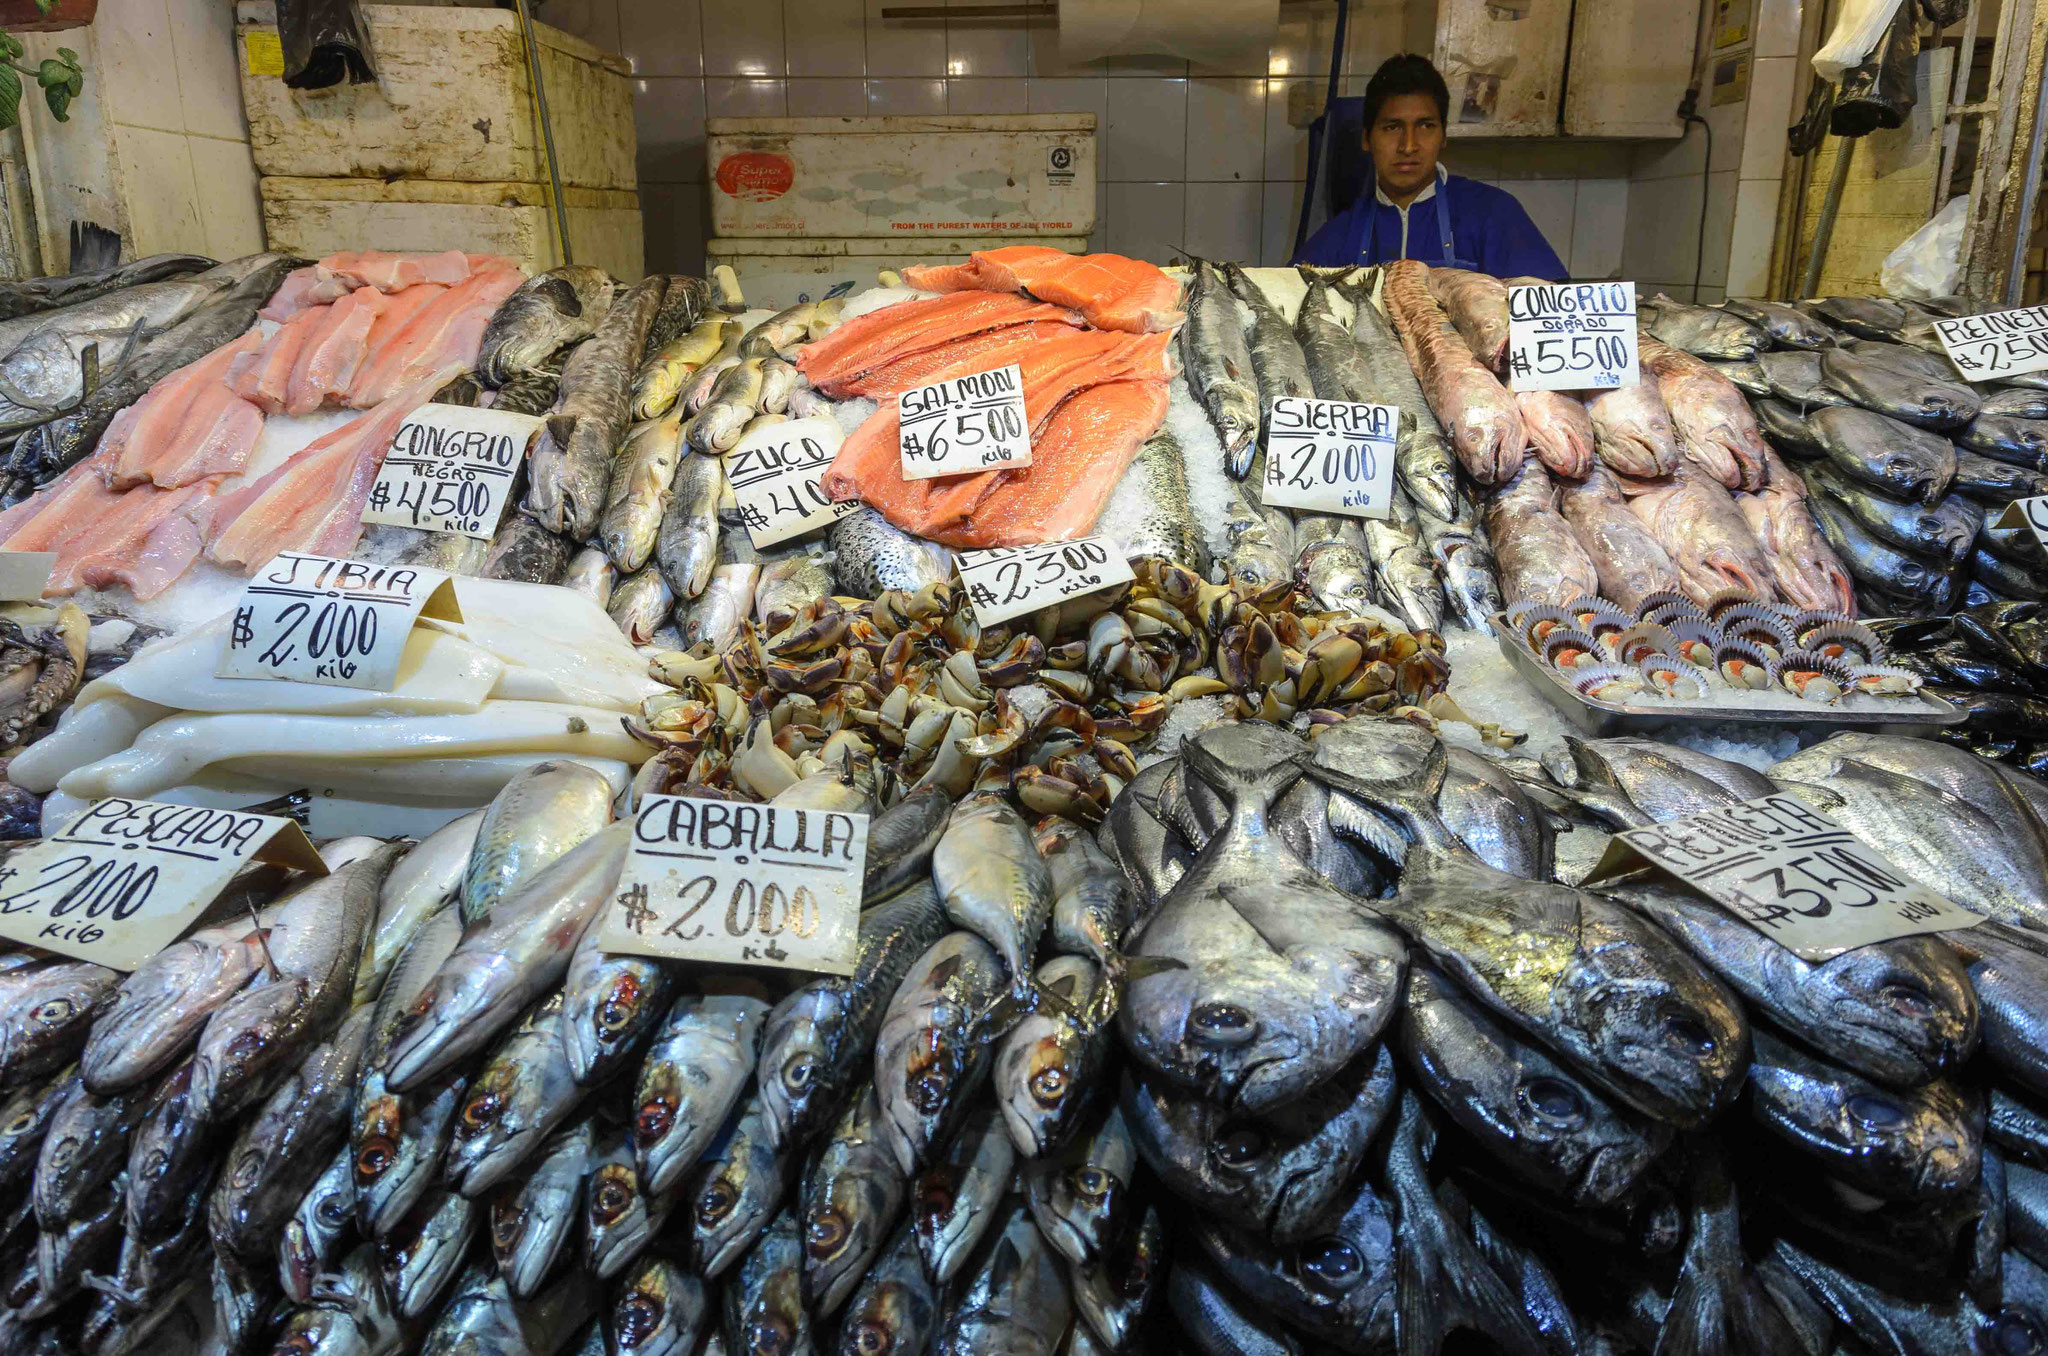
(756, 176)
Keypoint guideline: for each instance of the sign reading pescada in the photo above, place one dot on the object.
(1791, 873)
(731, 883)
(1330, 456)
(126, 877)
(1572, 337)
(341, 623)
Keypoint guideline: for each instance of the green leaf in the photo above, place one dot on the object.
(46, 5)
(68, 55)
(10, 97)
(10, 46)
(59, 97)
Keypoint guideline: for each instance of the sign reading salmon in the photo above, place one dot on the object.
(965, 424)
(1572, 337)
(1790, 872)
(125, 877)
(730, 883)
(342, 623)
(1330, 456)
(2001, 344)
(450, 469)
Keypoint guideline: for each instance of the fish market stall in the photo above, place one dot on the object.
(1050, 805)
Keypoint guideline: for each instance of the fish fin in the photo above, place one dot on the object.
(1002, 1016)
(1143, 967)
(1819, 797)
(1442, 1284)
(560, 428)
(1045, 999)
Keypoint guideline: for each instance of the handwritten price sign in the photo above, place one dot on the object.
(1791, 873)
(2001, 344)
(970, 423)
(776, 476)
(342, 623)
(715, 880)
(1572, 337)
(1013, 580)
(1330, 456)
(450, 469)
(123, 879)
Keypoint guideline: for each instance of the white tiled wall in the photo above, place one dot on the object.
(1661, 246)
(1204, 159)
(171, 167)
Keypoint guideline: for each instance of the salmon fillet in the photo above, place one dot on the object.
(303, 289)
(144, 434)
(45, 518)
(399, 309)
(1111, 291)
(265, 377)
(112, 545)
(214, 438)
(868, 342)
(332, 354)
(995, 348)
(448, 330)
(1075, 466)
(314, 501)
(394, 272)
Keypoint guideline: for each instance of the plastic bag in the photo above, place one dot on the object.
(1879, 93)
(1856, 33)
(1929, 262)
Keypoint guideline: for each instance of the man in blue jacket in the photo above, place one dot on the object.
(1417, 209)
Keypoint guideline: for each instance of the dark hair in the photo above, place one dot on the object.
(1406, 73)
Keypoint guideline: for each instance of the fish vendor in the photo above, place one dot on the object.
(1416, 208)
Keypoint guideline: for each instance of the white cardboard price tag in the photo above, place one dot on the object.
(1330, 456)
(965, 424)
(2031, 512)
(450, 469)
(730, 883)
(1791, 873)
(2001, 344)
(343, 623)
(125, 877)
(775, 475)
(1572, 337)
(25, 574)
(1010, 581)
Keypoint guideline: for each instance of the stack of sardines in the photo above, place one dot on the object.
(1668, 648)
(1909, 467)
(1608, 1119)
(1323, 1045)
(1991, 660)
(1666, 485)
(1240, 355)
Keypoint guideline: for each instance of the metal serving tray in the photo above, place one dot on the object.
(1919, 715)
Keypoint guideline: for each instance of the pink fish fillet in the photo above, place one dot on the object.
(446, 331)
(215, 438)
(314, 501)
(330, 358)
(113, 546)
(154, 440)
(47, 517)
(266, 378)
(302, 289)
(394, 272)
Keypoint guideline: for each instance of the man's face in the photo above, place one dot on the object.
(1405, 141)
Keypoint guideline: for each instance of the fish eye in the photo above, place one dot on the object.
(614, 1013)
(872, 1339)
(653, 1121)
(638, 1316)
(1093, 1183)
(1221, 1019)
(1875, 1111)
(1240, 1148)
(827, 1232)
(1907, 1001)
(769, 1337)
(376, 1156)
(612, 1197)
(798, 1071)
(1552, 1100)
(717, 1202)
(928, 1094)
(2012, 1333)
(56, 1010)
(480, 1111)
(333, 1210)
(1686, 1036)
(1049, 1086)
(22, 1124)
(508, 1226)
(1331, 1265)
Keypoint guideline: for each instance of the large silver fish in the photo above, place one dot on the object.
(689, 543)
(523, 1093)
(569, 471)
(692, 1079)
(1219, 367)
(639, 493)
(542, 813)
